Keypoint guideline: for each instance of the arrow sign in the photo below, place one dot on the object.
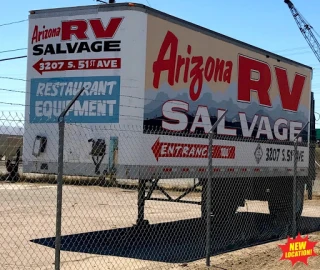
(181, 150)
(77, 64)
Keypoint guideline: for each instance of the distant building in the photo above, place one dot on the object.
(11, 138)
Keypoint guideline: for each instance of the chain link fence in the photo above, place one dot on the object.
(115, 212)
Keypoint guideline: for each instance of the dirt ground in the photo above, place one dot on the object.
(260, 257)
(97, 232)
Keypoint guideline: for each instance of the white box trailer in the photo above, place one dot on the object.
(153, 83)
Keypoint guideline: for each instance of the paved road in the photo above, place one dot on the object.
(99, 222)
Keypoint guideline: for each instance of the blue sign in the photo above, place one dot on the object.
(99, 102)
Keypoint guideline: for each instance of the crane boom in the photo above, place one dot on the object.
(305, 29)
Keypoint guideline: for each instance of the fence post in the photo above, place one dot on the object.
(294, 191)
(209, 190)
(61, 122)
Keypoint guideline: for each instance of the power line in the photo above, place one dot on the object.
(316, 85)
(297, 53)
(292, 49)
(299, 50)
(126, 96)
(12, 58)
(24, 56)
(13, 90)
(34, 106)
(13, 50)
(123, 115)
(73, 88)
(120, 115)
(148, 3)
(12, 78)
(5, 24)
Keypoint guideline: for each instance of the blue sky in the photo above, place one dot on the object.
(266, 24)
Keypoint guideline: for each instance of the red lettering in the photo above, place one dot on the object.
(181, 150)
(246, 83)
(180, 63)
(209, 68)
(105, 32)
(77, 28)
(194, 68)
(197, 77)
(227, 72)
(38, 35)
(224, 152)
(35, 35)
(187, 65)
(219, 70)
(170, 41)
(290, 98)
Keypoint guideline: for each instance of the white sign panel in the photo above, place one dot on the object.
(104, 53)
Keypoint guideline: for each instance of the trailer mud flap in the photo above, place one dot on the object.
(97, 153)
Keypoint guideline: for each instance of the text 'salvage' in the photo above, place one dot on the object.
(194, 69)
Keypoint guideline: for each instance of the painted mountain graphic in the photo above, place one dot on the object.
(154, 101)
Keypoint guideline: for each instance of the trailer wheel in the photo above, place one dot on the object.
(300, 201)
(225, 199)
(282, 205)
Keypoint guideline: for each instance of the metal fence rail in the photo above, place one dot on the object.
(108, 209)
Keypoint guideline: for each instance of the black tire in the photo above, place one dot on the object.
(282, 205)
(225, 200)
(300, 200)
